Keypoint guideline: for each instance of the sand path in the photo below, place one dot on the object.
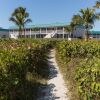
(55, 88)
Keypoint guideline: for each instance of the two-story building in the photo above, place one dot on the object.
(4, 33)
(55, 30)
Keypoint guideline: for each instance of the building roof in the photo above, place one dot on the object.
(95, 32)
(4, 30)
(41, 25)
(80, 27)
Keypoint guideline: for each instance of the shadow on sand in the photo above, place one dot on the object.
(46, 91)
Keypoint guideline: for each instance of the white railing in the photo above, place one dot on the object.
(53, 34)
(50, 35)
(14, 36)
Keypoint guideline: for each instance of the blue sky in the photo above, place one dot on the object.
(45, 11)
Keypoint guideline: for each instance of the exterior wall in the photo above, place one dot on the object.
(40, 32)
(96, 36)
(57, 32)
(4, 34)
(79, 33)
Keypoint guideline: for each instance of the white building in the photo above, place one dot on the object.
(56, 30)
(4, 33)
(94, 34)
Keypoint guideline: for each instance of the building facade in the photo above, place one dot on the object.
(56, 30)
(4, 33)
(94, 34)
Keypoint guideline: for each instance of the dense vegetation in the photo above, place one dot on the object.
(23, 68)
(80, 64)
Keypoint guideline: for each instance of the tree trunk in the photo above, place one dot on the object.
(86, 35)
(20, 32)
(24, 33)
(70, 35)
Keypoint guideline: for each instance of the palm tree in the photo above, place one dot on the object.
(69, 30)
(20, 17)
(76, 20)
(97, 4)
(86, 17)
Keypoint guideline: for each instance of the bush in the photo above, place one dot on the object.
(80, 64)
(23, 67)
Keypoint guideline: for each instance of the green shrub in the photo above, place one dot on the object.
(81, 66)
(23, 67)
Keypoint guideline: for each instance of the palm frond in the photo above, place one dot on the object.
(20, 17)
(97, 4)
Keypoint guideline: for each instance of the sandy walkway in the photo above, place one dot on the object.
(55, 89)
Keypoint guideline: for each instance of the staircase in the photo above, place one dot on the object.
(13, 36)
(50, 35)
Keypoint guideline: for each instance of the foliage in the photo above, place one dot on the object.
(20, 17)
(23, 66)
(86, 18)
(85, 70)
(97, 4)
